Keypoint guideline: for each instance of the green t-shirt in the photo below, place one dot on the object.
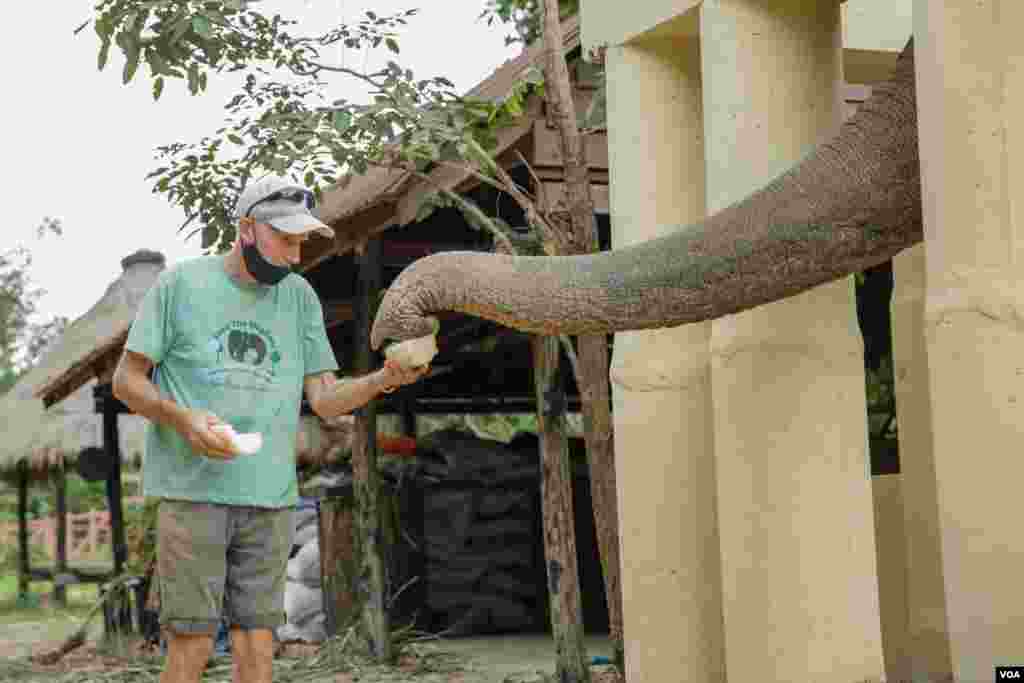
(240, 352)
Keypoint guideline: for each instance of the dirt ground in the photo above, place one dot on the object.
(513, 659)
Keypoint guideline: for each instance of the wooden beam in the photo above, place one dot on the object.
(372, 581)
(557, 510)
(316, 250)
(357, 229)
(70, 575)
(24, 559)
(60, 493)
(458, 180)
(547, 148)
(553, 194)
(337, 312)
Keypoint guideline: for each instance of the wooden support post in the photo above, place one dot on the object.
(340, 562)
(408, 418)
(24, 560)
(373, 572)
(112, 447)
(117, 610)
(557, 509)
(61, 568)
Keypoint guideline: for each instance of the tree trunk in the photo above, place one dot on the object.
(372, 579)
(593, 348)
(559, 522)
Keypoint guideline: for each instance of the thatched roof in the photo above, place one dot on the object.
(38, 425)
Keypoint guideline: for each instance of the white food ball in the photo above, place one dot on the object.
(247, 444)
(413, 353)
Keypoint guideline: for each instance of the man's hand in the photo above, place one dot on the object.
(393, 375)
(196, 427)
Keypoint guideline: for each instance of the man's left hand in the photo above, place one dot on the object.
(394, 375)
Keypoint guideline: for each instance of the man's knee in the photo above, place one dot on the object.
(252, 642)
(191, 650)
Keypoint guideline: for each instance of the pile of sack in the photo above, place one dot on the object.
(303, 592)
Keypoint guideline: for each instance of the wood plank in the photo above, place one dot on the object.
(554, 192)
(373, 570)
(557, 508)
(547, 147)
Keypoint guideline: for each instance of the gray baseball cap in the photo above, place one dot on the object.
(283, 204)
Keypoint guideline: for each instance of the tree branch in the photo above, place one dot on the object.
(533, 216)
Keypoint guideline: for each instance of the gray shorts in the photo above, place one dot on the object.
(211, 555)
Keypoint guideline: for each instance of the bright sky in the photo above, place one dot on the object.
(78, 143)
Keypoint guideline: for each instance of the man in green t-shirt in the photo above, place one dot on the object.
(233, 340)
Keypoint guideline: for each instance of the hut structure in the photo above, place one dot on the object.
(62, 408)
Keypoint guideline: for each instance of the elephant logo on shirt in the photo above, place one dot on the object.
(246, 347)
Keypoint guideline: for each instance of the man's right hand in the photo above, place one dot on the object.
(196, 427)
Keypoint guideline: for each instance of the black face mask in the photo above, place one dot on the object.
(264, 271)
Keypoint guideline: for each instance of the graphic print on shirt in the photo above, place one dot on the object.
(246, 357)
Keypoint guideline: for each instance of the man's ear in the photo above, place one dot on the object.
(247, 230)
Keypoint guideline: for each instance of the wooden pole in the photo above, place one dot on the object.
(373, 572)
(24, 560)
(559, 528)
(61, 568)
(112, 447)
(408, 418)
(339, 563)
(117, 609)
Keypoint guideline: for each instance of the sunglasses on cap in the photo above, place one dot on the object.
(294, 195)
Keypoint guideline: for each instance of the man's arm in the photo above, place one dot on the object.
(329, 397)
(133, 387)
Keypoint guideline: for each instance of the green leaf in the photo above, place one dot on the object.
(131, 64)
(342, 121)
(193, 78)
(427, 207)
(235, 139)
(310, 177)
(101, 58)
(202, 26)
(392, 45)
(158, 88)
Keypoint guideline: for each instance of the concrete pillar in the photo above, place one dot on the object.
(891, 543)
(970, 85)
(660, 383)
(927, 647)
(799, 588)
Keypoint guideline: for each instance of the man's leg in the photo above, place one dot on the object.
(191, 570)
(257, 562)
(252, 655)
(187, 656)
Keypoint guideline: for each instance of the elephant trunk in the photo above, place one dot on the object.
(853, 203)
